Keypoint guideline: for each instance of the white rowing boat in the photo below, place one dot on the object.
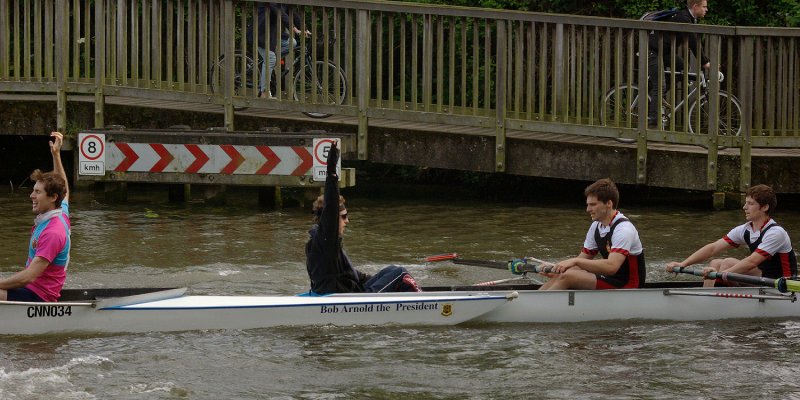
(143, 310)
(665, 301)
(672, 301)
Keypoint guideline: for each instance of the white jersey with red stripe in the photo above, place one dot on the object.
(626, 237)
(775, 240)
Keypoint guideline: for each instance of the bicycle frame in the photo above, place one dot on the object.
(622, 102)
(308, 80)
(687, 98)
(299, 57)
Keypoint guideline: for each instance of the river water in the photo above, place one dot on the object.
(245, 250)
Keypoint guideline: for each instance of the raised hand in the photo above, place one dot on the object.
(58, 141)
(333, 159)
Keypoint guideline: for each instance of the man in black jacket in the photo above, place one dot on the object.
(271, 16)
(329, 268)
(694, 11)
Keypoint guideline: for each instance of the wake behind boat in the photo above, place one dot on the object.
(144, 310)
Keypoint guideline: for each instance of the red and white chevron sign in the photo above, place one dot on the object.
(208, 159)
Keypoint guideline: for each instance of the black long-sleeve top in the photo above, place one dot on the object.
(682, 16)
(329, 268)
(276, 11)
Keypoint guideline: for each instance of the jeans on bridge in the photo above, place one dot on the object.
(269, 66)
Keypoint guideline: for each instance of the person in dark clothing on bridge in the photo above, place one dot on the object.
(329, 268)
(771, 252)
(270, 17)
(694, 11)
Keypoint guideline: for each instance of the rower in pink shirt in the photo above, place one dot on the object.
(48, 250)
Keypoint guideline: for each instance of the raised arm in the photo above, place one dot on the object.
(58, 167)
(329, 220)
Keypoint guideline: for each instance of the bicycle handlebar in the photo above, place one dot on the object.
(705, 80)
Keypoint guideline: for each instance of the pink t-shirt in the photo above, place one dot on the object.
(50, 239)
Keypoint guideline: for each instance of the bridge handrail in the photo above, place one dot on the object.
(499, 69)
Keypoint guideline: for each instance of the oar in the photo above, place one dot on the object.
(499, 281)
(542, 262)
(782, 284)
(455, 259)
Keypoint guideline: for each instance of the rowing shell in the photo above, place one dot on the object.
(664, 301)
(171, 310)
(122, 310)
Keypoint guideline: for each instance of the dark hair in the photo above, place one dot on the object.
(690, 3)
(764, 196)
(605, 190)
(319, 204)
(54, 184)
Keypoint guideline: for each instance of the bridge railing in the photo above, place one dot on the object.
(502, 70)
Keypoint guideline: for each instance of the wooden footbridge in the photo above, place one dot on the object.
(435, 86)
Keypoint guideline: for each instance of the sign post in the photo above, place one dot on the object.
(321, 148)
(92, 160)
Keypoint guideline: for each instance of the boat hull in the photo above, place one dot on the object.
(665, 301)
(687, 304)
(180, 313)
(665, 304)
(170, 310)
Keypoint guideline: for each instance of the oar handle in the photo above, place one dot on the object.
(549, 268)
(687, 270)
(542, 262)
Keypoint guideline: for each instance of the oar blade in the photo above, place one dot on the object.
(441, 257)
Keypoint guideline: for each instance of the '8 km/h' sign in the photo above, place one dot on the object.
(92, 160)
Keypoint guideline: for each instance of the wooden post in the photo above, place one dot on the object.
(61, 58)
(558, 73)
(228, 47)
(179, 193)
(5, 45)
(363, 72)
(500, 98)
(270, 197)
(641, 140)
(746, 97)
(99, 63)
(713, 114)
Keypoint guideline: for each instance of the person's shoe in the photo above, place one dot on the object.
(411, 283)
(266, 95)
(653, 122)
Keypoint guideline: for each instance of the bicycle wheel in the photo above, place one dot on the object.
(241, 82)
(620, 107)
(730, 115)
(306, 88)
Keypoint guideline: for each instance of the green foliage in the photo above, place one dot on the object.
(776, 13)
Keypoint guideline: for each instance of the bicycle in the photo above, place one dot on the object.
(621, 106)
(310, 77)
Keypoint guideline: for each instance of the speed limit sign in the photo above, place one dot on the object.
(321, 146)
(92, 160)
